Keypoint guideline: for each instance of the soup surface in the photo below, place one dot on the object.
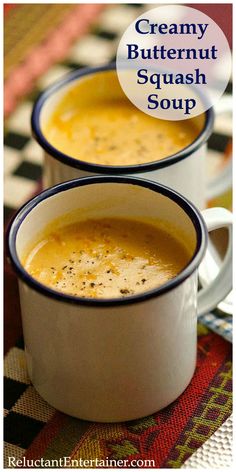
(106, 258)
(114, 132)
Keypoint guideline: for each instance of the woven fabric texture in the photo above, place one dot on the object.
(32, 428)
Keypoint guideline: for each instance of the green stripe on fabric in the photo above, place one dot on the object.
(69, 436)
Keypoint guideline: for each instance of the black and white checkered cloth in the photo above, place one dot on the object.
(25, 411)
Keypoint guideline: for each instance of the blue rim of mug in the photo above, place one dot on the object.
(186, 205)
(107, 169)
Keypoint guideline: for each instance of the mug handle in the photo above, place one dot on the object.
(209, 297)
(222, 182)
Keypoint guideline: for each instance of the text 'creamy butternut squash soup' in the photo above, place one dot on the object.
(106, 258)
(96, 123)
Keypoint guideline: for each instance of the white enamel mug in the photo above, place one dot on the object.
(115, 359)
(184, 171)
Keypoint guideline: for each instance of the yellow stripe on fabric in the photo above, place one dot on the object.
(94, 444)
(67, 439)
(203, 420)
(26, 26)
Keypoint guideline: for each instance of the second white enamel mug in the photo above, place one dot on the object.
(184, 171)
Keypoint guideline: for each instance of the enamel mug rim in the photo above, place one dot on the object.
(186, 205)
(107, 169)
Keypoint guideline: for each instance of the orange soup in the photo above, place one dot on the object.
(106, 258)
(96, 123)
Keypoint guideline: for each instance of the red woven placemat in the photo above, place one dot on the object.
(34, 430)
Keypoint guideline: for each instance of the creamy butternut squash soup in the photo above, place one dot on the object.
(106, 258)
(113, 131)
